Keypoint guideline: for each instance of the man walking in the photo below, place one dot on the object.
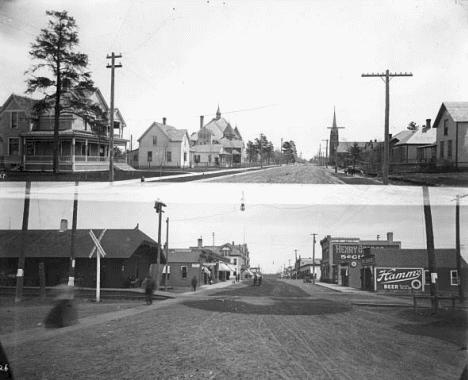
(194, 283)
(149, 289)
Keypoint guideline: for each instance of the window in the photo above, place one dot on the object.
(183, 269)
(185, 156)
(155, 140)
(14, 120)
(150, 156)
(442, 149)
(445, 127)
(234, 261)
(427, 277)
(169, 156)
(453, 277)
(449, 149)
(13, 146)
(197, 158)
(209, 158)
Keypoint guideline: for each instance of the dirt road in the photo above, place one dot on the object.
(281, 330)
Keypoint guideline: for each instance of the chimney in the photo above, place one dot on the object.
(200, 243)
(164, 121)
(428, 123)
(201, 121)
(63, 225)
(390, 237)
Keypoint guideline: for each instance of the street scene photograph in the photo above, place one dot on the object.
(234, 189)
(226, 281)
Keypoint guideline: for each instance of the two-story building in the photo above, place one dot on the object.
(27, 139)
(162, 145)
(217, 144)
(341, 256)
(451, 124)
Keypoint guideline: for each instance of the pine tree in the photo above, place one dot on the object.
(69, 85)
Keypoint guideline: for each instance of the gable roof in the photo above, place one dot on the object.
(117, 243)
(25, 103)
(457, 110)
(172, 133)
(422, 136)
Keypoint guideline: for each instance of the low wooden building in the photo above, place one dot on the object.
(129, 254)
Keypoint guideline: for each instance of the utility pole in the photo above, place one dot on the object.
(457, 245)
(281, 150)
(387, 75)
(326, 153)
(71, 276)
(112, 66)
(313, 260)
(167, 254)
(158, 207)
(430, 249)
(295, 264)
(20, 272)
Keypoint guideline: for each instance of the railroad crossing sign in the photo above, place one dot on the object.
(97, 244)
(101, 253)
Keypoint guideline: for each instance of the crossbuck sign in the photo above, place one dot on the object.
(101, 253)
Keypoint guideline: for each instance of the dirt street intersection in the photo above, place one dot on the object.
(282, 330)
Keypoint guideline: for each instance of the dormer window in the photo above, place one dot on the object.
(14, 119)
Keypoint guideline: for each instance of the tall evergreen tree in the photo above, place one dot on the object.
(69, 85)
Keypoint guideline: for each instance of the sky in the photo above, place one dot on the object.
(274, 67)
(274, 224)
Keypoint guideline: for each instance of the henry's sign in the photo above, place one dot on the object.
(398, 278)
(354, 251)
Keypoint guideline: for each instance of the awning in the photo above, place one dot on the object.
(206, 270)
(231, 268)
(224, 268)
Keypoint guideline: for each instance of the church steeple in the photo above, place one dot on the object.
(334, 118)
(334, 139)
(218, 113)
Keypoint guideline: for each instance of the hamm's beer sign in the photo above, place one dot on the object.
(399, 278)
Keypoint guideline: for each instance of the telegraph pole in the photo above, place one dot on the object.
(387, 75)
(20, 272)
(112, 66)
(158, 207)
(457, 245)
(281, 150)
(167, 254)
(430, 249)
(71, 276)
(295, 263)
(313, 260)
(326, 153)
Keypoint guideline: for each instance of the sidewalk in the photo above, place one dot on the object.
(33, 334)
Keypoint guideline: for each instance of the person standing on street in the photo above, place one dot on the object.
(194, 283)
(149, 289)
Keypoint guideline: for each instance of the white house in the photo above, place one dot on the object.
(452, 134)
(164, 145)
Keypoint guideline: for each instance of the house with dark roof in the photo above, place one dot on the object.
(217, 144)
(451, 124)
(129, 254)
(26, 138)
(163, 145)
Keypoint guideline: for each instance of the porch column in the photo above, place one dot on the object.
(23, 151)
(73, 153)
(86, 150)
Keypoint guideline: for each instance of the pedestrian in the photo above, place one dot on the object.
(259, 279)
(194, 283)
(149, 289)
(64, 312)
(255, 279)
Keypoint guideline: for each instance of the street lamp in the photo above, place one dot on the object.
(158, 207)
